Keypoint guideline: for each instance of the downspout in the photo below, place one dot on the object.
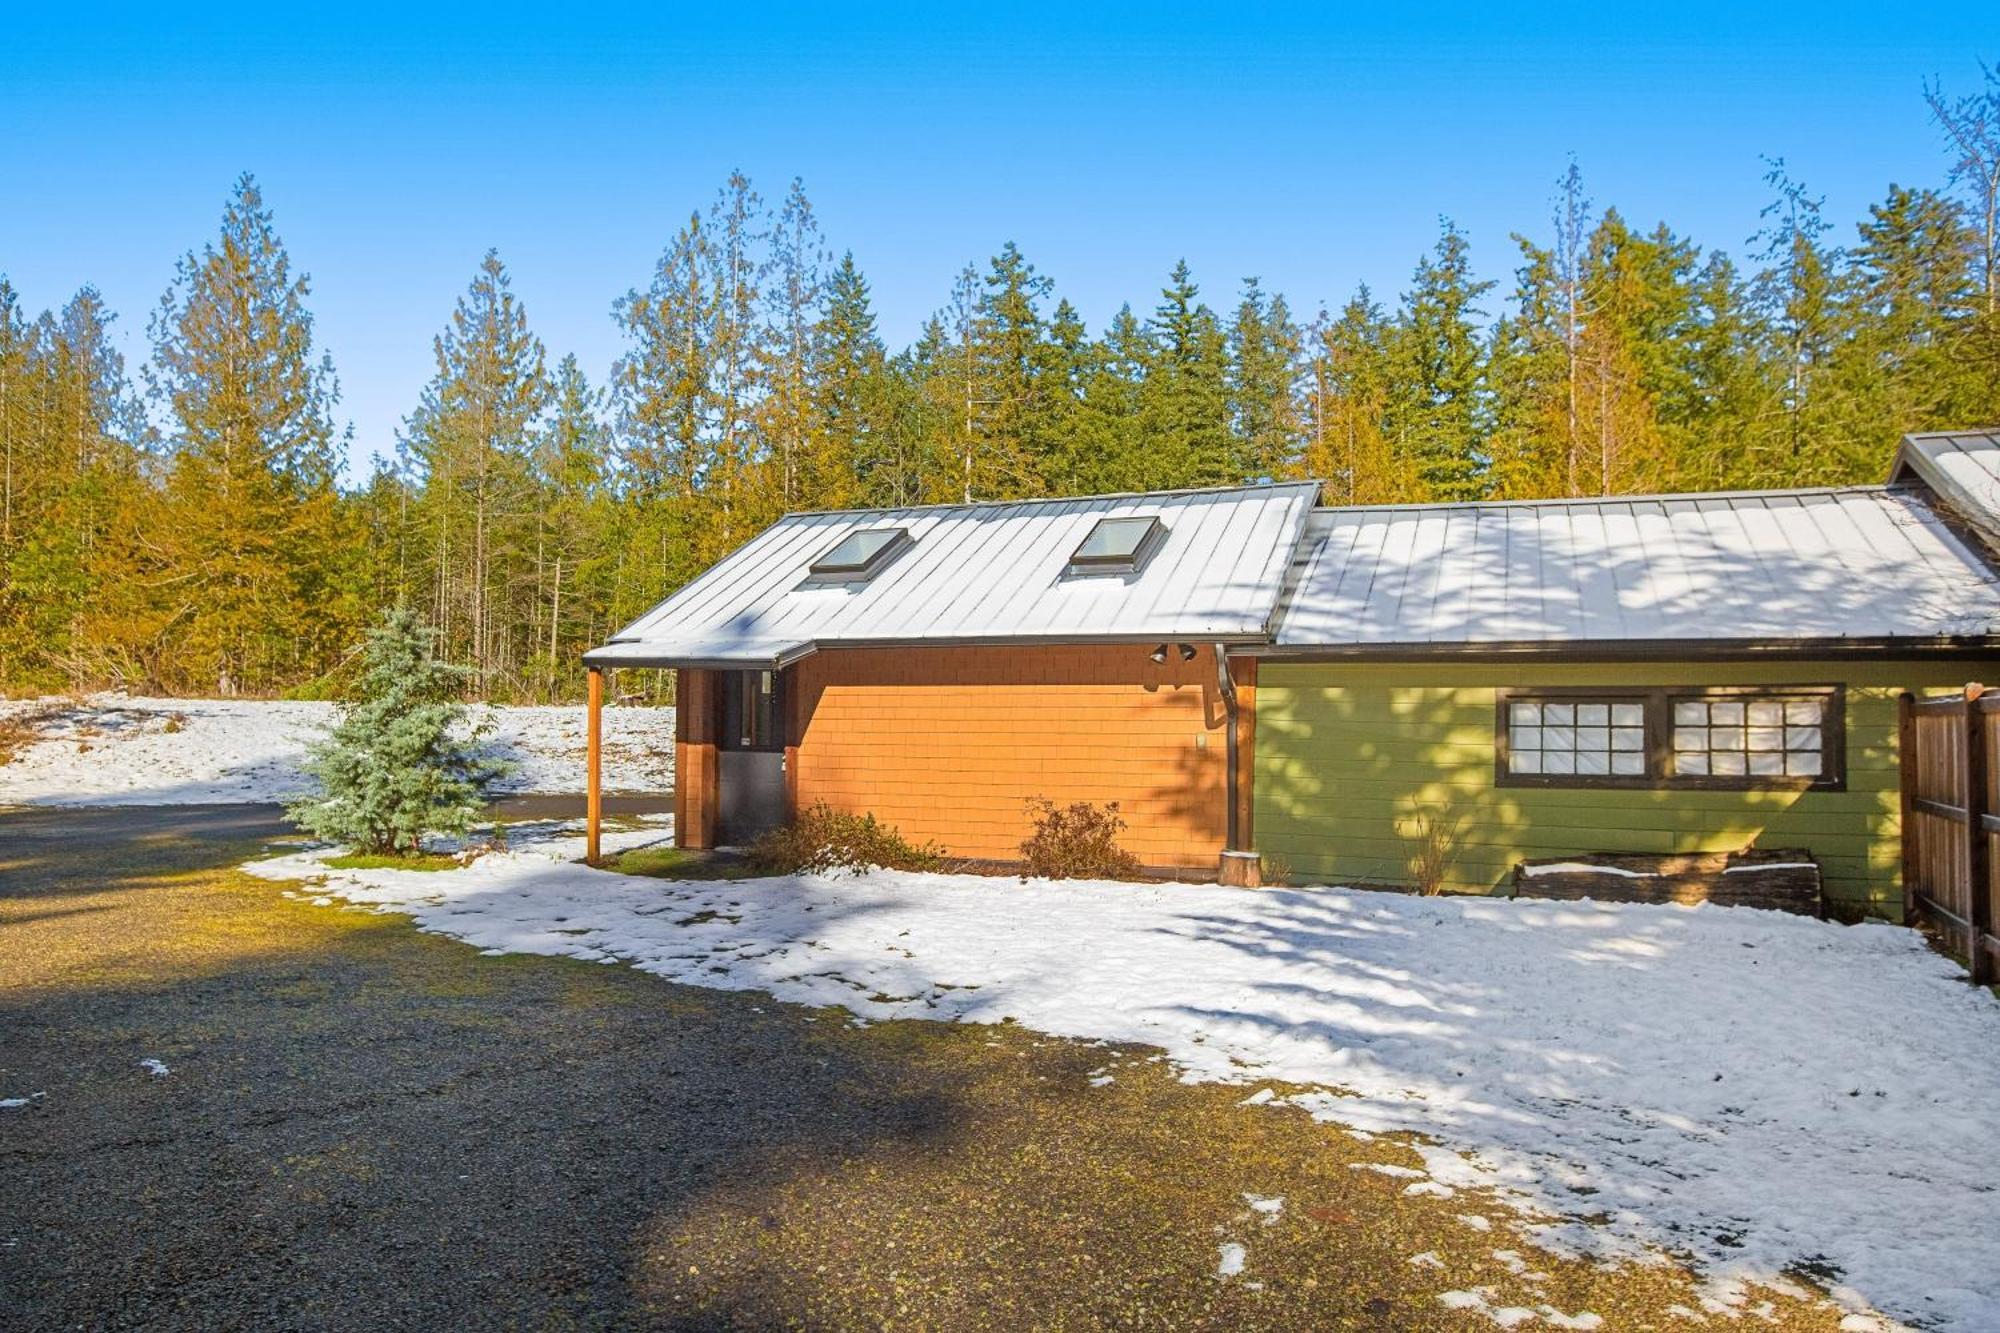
(1225, 686)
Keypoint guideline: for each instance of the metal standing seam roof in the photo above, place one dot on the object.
(984, 573)
(1963, 466)
(1860, 563)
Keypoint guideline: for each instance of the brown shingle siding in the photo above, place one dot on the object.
(947, 744)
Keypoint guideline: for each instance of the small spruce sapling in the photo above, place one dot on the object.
(399, 764)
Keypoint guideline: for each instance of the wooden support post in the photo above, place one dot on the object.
(1978, 869)
(593, 810)
(1906, 759)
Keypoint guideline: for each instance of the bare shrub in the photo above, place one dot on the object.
(19, 731)
(1077, 841)
(1436, 837)
(824, 839)
(1274, 871)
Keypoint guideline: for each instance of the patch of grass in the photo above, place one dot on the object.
(679, 863)
(369, 861)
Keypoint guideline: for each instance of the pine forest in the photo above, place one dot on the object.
(181, 525)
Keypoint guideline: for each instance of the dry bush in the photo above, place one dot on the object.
(1077, 841)
(824, 839)
(19, 731)
(1274, 871)
(1436, 837)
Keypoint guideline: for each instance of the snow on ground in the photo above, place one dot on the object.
(1757, 1090)
(117, 750)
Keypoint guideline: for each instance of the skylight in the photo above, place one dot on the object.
(860, 555)
(1117, 545)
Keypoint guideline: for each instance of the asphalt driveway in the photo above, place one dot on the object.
(363, 1126)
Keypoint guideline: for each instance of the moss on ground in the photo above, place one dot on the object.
(622, 1151)
(678, 863)
(370, 861)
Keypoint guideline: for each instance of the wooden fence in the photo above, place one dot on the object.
(1950, 750)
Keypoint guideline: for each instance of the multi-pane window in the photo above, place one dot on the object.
(1751, 736)
(1588, 737)
(1691, 736)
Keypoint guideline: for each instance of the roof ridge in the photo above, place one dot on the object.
(1176, 493)
(1986, 432)
(1877, 488)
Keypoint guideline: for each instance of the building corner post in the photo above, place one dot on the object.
(594, 769)
(1239, 866)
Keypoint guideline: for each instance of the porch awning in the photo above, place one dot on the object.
(717, 652)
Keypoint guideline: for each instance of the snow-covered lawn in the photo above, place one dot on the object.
(1759, 1091)
(116, 750)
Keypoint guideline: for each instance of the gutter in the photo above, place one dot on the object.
(1642, 650)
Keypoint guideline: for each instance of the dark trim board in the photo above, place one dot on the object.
(1948, 647)
(1253, 645)
(1642, 650)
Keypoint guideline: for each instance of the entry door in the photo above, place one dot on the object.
(751, 775)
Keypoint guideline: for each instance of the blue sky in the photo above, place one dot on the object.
(1314, 146)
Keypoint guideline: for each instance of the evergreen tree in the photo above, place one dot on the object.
(807, 477)
(1018, 374)
(72, 435)
(1437, 408)
(15, 413)
(988, 463)
(1069, 363)
(1793, 295)
(527, 514)
(575, 513)
(663, 380)
(932, 448)
(396, 766)
(1184, 400)
(740, 355)
(1904, 308)
(1265, 348)
(852, 395)
(1534, 370)
(1103, 446)
(1971, 126)
(664, 404)
(1642, 305)
(471, 441)
(1347, 404)
(249, 503)
(1730, 387)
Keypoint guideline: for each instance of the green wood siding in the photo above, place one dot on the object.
(1345, 752)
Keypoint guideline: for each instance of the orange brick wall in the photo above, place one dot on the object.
(947, 743)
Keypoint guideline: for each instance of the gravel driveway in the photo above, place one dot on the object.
(363, 1126)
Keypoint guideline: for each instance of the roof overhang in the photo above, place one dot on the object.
(766, 655)
(1960, 467)
(709, 654)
